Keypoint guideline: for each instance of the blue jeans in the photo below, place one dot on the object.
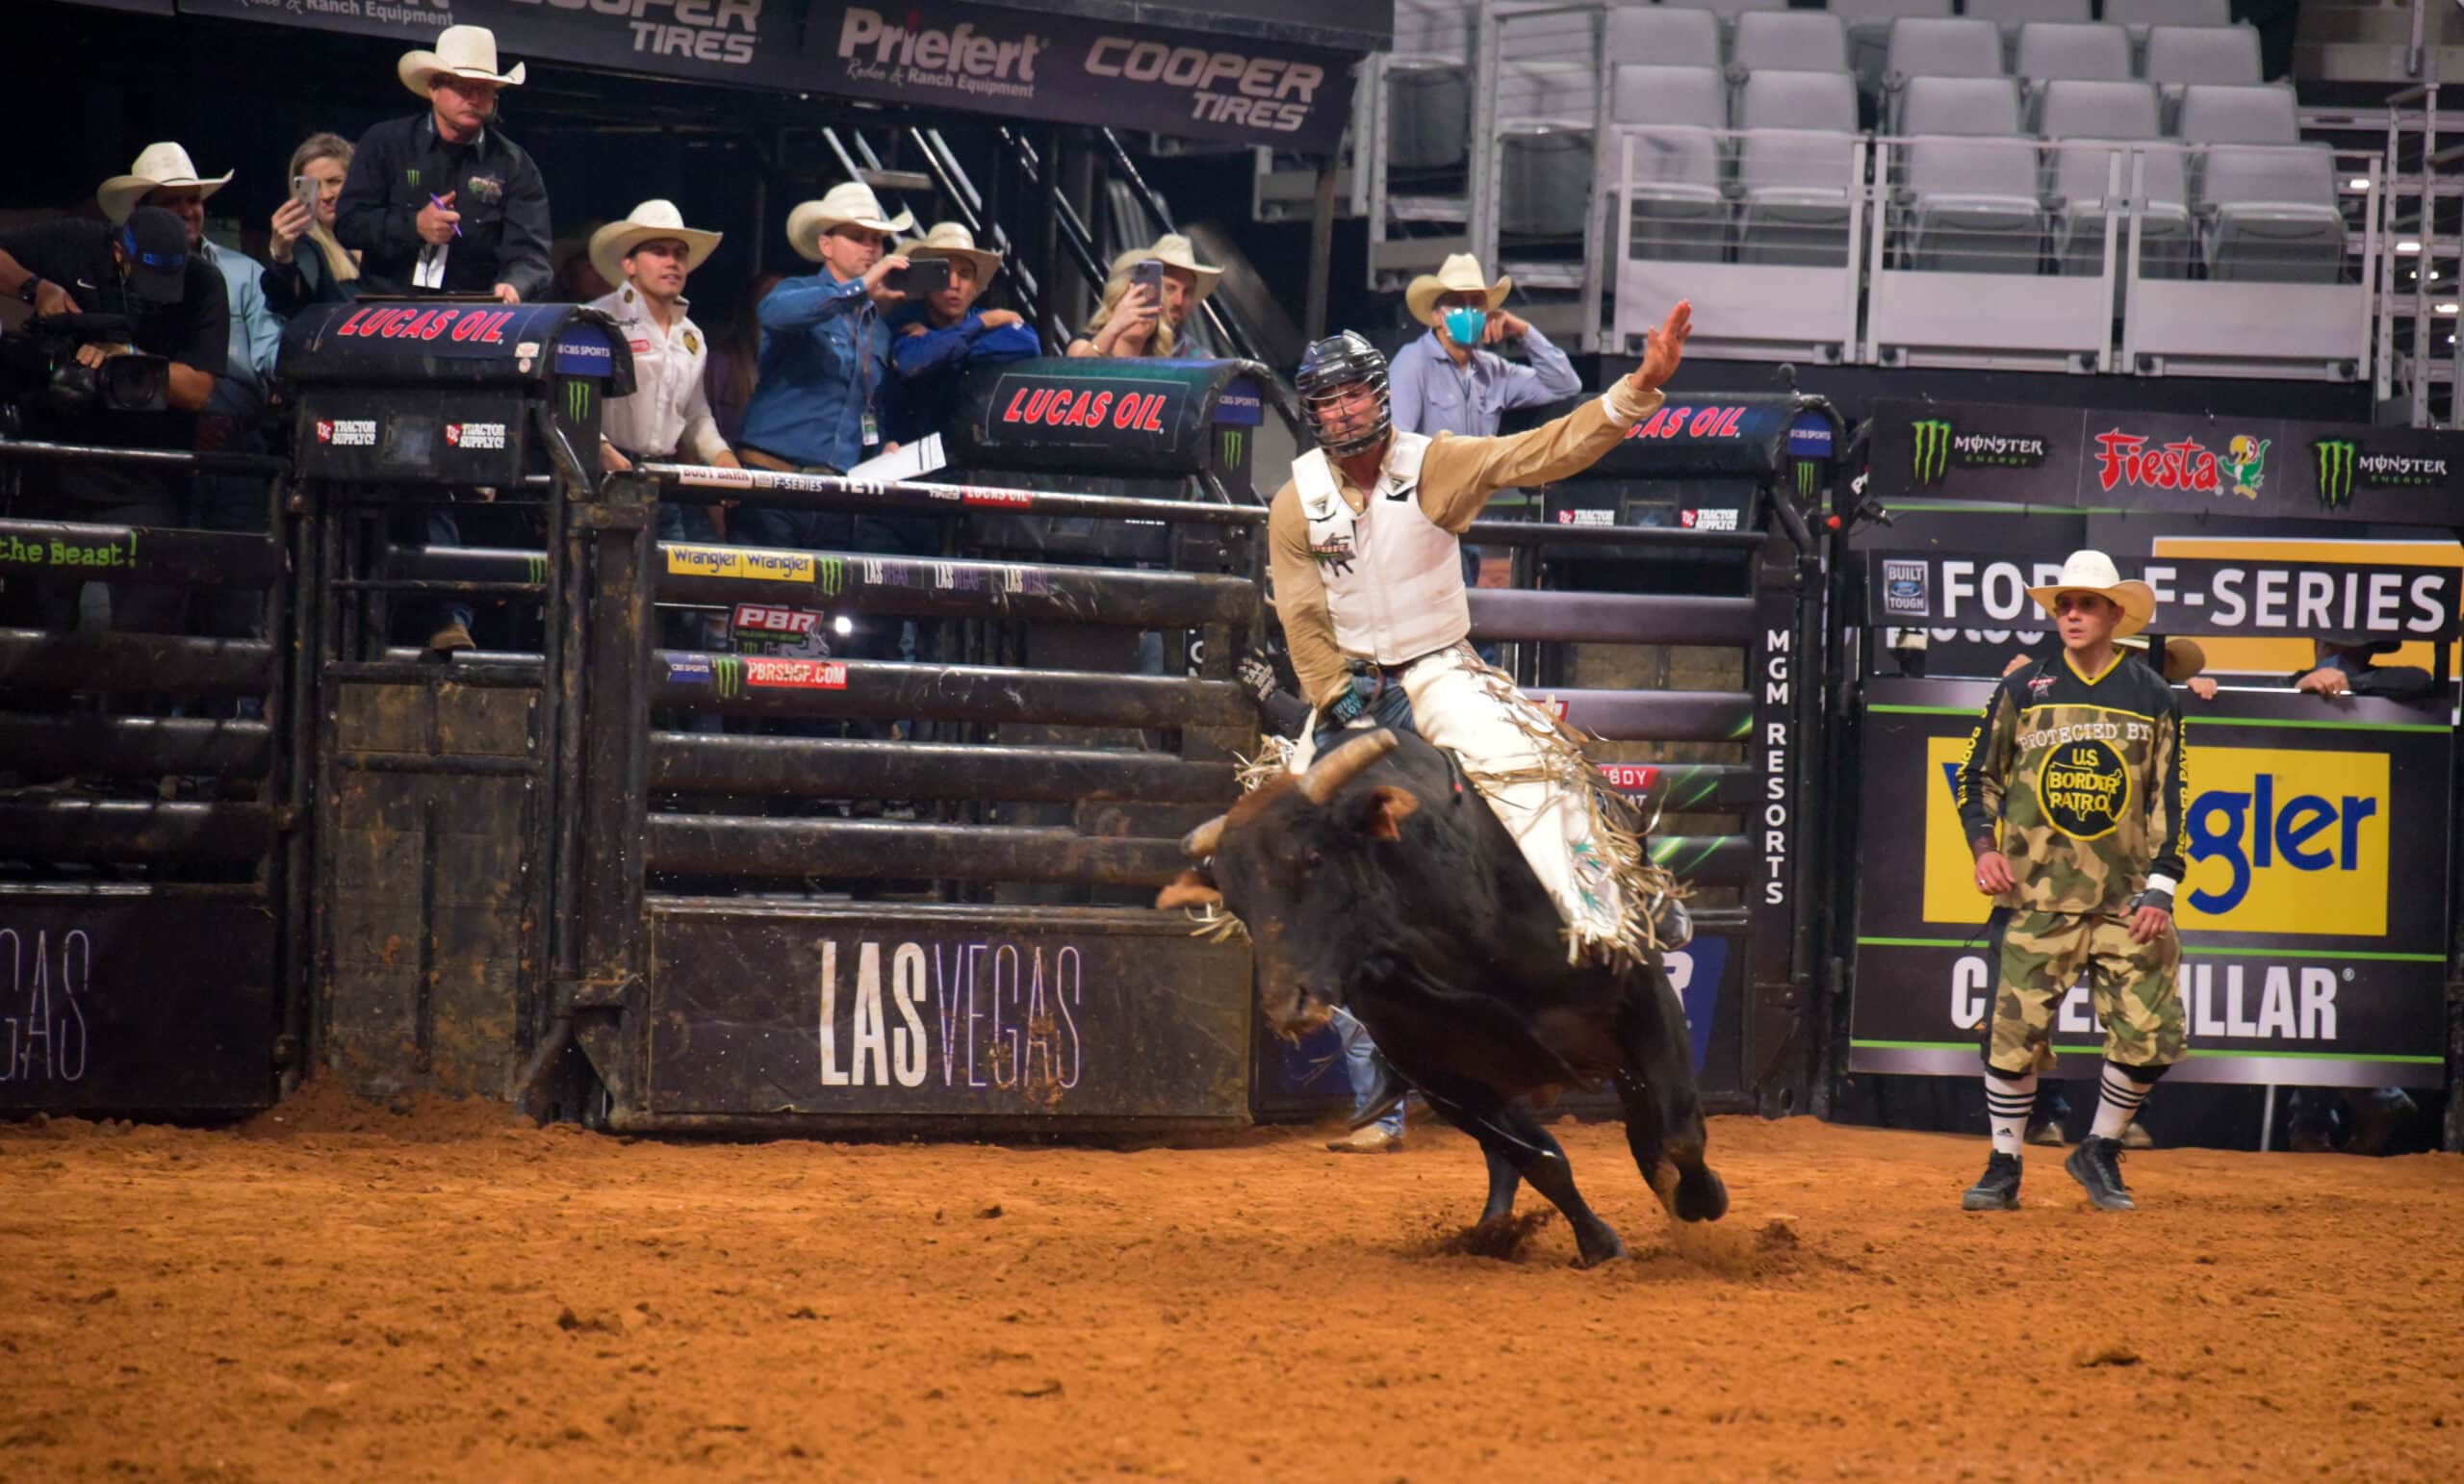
(1358, 1048)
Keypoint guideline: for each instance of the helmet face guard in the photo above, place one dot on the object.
(1334, 371)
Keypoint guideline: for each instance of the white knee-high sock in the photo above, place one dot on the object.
(2007, 1101)
(2118, 1101)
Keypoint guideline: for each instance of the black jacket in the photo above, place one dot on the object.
(400, 165)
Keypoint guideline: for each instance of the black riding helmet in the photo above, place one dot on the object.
(1333, 365)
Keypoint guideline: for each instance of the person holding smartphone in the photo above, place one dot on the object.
(1147, 300)
(309, 265)
(938, 333)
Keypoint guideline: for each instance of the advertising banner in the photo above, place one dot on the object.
(1078, 70)
(2313, 915)
(2262, 596)
(2167, 463)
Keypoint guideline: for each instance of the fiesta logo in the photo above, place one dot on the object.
(1937, 447)
(2186, 464)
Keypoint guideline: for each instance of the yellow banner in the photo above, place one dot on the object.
(2278, 657)
(739, 562)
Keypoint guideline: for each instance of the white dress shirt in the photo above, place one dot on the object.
(669, 413)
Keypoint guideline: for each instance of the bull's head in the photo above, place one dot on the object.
(1298, 861)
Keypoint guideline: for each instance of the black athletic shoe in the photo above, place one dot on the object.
(1998, 1188)
(2096, 1165)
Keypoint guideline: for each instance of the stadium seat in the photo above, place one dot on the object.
(2275, 217)
(1556, 35)
(1673, 191)
(1796, 196)
(2086, 124)
(1428, 114)
(1551, 92)
(2170, 12)
(1869, 31)
(1926, 46)
(1793, 41)
(2013, 13)
(1776, 99)
(1728, 9)
(1662, 36)
(1544, 180)
(1966, 183)
(2050, 50)
(2214, 115)
(1425, 29)
(2227, 55)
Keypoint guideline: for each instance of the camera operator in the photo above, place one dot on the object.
(174, 301)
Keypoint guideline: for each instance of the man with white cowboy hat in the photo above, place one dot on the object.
(651, 252)
(825, 356)
(934, 340)
(163, 175)
(1449, 380)
(444, 203)
(2073, 799)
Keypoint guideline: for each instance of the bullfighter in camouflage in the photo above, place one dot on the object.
(2072, 797)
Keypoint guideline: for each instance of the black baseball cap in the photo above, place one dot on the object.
(157, 244)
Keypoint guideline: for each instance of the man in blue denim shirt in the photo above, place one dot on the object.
(933, 340)
(825, 357)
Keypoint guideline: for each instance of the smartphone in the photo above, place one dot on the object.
(304, 190)
(920, 278)
(1149, 275)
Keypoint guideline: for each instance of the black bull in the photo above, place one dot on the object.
(1382, 882)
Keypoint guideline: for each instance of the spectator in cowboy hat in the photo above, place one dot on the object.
(652, 253)
(2345, 666)
(824, 355)
(328, 272)
(1451, 380)
(1131, 322)
(444, 203)
(934, 340)
(163, 175)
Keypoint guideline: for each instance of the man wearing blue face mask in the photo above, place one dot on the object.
(1452, 379)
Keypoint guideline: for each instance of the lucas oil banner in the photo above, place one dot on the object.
(2313, 914)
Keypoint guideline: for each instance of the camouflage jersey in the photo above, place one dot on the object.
(2082, 782)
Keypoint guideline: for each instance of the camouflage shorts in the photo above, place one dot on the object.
(2133, 985)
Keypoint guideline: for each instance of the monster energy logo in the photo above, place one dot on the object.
(1939, 448)
(577, 401)
(727, 672)
(1233, 439)
(1932, 455)
(2336, 457)
(830, 575)
(535, 568)
(1806, 479)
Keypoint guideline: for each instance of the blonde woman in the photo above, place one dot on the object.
(1140, 319)
(330, 274)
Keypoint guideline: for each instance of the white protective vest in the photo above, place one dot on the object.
(1393, 578)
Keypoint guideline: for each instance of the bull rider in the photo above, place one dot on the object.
(1365, 540)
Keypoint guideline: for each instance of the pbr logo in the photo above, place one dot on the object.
(1939, 447)
(2342, 464)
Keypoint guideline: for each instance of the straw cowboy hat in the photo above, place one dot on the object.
(1173, 250)
(2094, 572)
(1459, 273)
(849, 205)
(465, 51)
(952, 240)
(2183, 658)
(161, 165)
(649, 222)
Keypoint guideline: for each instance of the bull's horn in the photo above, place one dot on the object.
(1201, 842)
(1344, 764)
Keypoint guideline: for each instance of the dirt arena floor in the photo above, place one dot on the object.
(341, 1292)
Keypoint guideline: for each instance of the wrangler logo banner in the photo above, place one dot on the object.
(2312, 912)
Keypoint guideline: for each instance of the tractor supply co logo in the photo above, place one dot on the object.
(751, 562)
(2343, 465)
(475, 435)
(2084, 788)
(1586, 516)
(723, 33)
(347, 432)
(1907, 588)
(2282, 842)
(1707, 519)
(1939, 448)
(2127, 459)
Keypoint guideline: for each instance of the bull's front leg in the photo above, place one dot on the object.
(1504, 1182)
(1663, 1109)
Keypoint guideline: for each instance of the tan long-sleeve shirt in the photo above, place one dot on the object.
(1457, 476)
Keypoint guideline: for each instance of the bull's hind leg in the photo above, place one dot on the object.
(1663, 1109)
(1504, 1182)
